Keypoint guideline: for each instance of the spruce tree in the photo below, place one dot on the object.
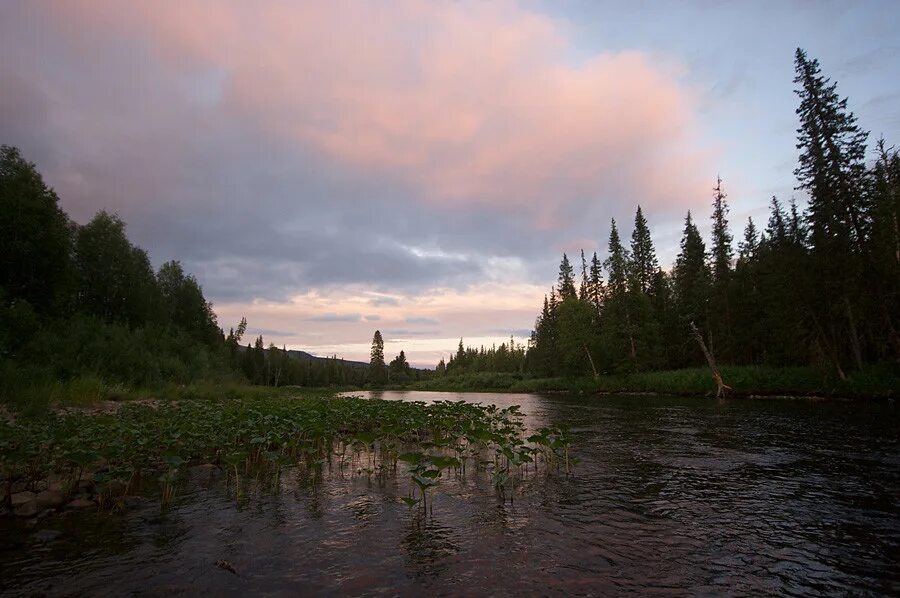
(721, 250)
(691, 285)
(721, 255)
(377, 371)
(595, 291)
(566, 283)
(832, 170)
(617, 264)
(643, 254)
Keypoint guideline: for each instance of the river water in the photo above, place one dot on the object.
(672, 496)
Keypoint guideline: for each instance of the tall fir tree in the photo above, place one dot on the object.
(566, 281)
(832, 170)
(721, 255)
(691, 289)
(377, 370)
(643, 255)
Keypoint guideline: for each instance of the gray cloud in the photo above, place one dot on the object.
(394, 334)
(269, 332)
(335, 318)
(113, 126)
(425, 321)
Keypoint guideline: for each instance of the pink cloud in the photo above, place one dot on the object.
(468, 102)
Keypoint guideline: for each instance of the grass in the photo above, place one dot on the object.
(874, 382)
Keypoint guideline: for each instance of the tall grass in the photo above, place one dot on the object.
(873, 382)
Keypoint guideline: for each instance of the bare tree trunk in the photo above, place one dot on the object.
(721, 387)
(854, 336)
(828, 349)
(591, 359)
(633, 350)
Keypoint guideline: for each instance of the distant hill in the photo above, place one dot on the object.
(304, 356)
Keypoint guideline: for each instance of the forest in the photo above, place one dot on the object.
(817, 287)
(82, 310)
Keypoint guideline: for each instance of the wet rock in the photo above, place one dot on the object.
(46, 535)
(81, 503)
(50, 499)
(133, 501)
(24, 504)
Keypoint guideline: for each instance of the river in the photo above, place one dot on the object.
(672, 496)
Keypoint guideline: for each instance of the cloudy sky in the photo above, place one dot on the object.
(330, 168)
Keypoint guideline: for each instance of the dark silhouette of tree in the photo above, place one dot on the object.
(35, 243)
(643, 255)
(377, 371)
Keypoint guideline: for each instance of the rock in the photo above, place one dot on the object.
(24, 504)
(58, 483)
(81, 503)
(133, 501)
(46, 535)
(51, 499)
(85, 485)
(20, 498)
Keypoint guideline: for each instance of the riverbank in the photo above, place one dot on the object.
(745, 381)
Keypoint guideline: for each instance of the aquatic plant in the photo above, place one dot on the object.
(259, 436)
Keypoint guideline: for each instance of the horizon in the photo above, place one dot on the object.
(419, 169)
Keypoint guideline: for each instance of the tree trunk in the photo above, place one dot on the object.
(854, 335)
(721, 387)
(591, 359)
(828, 350)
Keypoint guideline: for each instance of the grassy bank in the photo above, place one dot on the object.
(32, 392)
(880, 382)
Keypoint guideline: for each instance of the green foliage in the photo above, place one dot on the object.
(35, 246)
(114, 278)
(81, 305)
(260, 434)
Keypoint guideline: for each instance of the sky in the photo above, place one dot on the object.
(326, 169)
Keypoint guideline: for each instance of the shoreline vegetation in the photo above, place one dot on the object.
(746, 382)
(73, 459)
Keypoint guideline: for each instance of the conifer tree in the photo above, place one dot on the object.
(721, 250)
(643, 254)
(832, 170)
(377, 372)
(691, 289)
(566, 283)
(585, 284)
(721, 254)
(595, 289)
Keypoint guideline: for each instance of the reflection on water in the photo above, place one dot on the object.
(672, 496)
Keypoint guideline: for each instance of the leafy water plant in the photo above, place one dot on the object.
(258, 437)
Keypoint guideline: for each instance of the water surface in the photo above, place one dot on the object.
(672, 496)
